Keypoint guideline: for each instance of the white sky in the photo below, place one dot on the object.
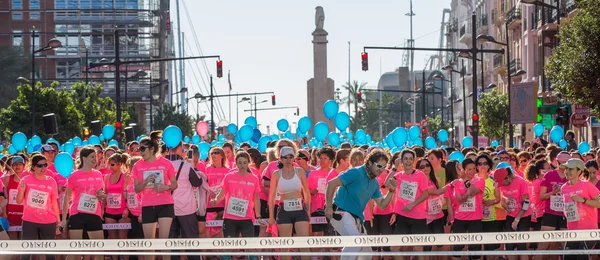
(267, 46)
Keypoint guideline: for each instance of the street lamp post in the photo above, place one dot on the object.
(237, 108)
(138, 74)
(441, 77)
(52, 44)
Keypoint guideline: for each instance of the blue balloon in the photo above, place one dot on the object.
(94, 140)
(274, 137)
(563, 144)
(11, 149)
(504, 165)
(102, 137)
(342, 121)
(108, 131)
(389, 140)
(112, 142)
(330, 109)
(35, 140)
(584, 147)
(556, 135)
(19, 140)
(186, 139)
(52, 140)
(321, 130)
(400, 136)
(203, 148)
(430, 142)
(333, 139)
(368, 138)
(456, 155)
(232, 128)
(418, 142)
(85, 142)
(300, 133)
(138, 138)
(283, 125)
(4, 223)
(221, 137)
(196, 139)
(70, 147)
(442, 136)
(77, 141)
(1, 147)
(64, 164)
(414, 132)
(494, 143)
(349, 135)
(245, 133)
(251, 121)
(262, 143)
(361, 136)
(288, 134)
(467, 142)
(562, 131)
(172, 136)
(538, 129)
(29, 149)
(304, 124)
(255, 135)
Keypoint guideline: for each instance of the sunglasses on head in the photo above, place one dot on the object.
(423, 166)
(41, 165)
(301, 156)
(143, 148)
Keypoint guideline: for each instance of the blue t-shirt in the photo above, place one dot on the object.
(356, 192)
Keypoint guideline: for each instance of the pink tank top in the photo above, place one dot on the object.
(133, 199)
(115, 200)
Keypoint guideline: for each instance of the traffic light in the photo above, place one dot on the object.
(273, 99)
(219, 69)
(118, 133)
(365, 61)
(359, 97)
(86, 134)
(298, 111)
(538, 105)
(475, 118)
(424, 131)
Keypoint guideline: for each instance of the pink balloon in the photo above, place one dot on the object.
(202, 128)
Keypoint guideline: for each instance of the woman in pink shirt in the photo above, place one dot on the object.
(240, 190)
(317, 183)
(116, 197)
(39, 195)
(85, 188)
(215, 172)
(582, 200)
(534, 173)
(591, 175)
(468, 213)
(133, 201)
(340, 165)
(155, 179)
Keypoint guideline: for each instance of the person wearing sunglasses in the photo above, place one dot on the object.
(491, 198)
(435, 214)
(317, 182)
(290, 182)
(215, 172)
(14, 210)
(134, 149)
(410, 207)
(534, 172)
(302, 161)
(355, 188)
(116, 205)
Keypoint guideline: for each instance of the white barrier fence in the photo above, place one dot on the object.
(299, 242)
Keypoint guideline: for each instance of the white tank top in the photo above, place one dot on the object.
(287, 186)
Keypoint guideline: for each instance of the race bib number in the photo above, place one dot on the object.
(511, 203)
(12, 197)
(322, 185)
(159, 179)
(132, 201)
(37, 199)
(408, 190)
(468, 205)
(87, 203)
(292, 204)
(487, 212)
(113, 200)
(435, 205)
(571, 212)
(237, 207)
(557, 203)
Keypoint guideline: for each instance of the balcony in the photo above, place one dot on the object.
(497, 18)
(482, 24)
(546, 20)
(464, 33)
(571, 8)
(141, 18)
(513, 17)
(515, 65)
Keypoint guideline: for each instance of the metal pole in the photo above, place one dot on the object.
(118, 79)
(212, 110)
(452, 108)
(423, 108)
(510, 126)
(255, 110)
(126, 82)
(33, 81)
(462, 75)
(87, 64)
(482, 75)
(237, 111)
(401, 110)
(349, 83)
(474, 69)
(197, 110)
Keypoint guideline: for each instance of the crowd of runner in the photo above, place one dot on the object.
(360, 190)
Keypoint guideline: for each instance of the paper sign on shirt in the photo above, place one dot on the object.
(557, 203)
(487, 212)
(37, 199)
(511, 203)
(87, 203)
(322, 185)
(468, 205)
(571, 212)
(237, 207)
(132, 201)
(12, 200)
(159, 179)
(435, 205)
(408, 190)
(113, 200)
(292, 204)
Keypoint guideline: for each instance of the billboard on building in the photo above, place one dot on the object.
(523, 108)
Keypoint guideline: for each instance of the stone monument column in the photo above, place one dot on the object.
(320, 88)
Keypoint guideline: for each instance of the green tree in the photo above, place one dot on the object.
(131, 116)
(13, 64)
(167, 114)
(435, 124)
(493, 114)
(17, 116)
(573, 67)
(353, 89)
(93, 107)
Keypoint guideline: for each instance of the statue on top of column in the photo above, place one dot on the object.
(319, 17)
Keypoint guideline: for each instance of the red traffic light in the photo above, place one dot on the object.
(365, 61)
(219, 68)
(273, 99)
(424, 130)
(359, 97)
(297, 111)
(475, 117)
(118, 125)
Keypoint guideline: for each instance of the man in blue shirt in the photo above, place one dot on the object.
(355, 188)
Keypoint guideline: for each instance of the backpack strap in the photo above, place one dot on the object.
(177, 176)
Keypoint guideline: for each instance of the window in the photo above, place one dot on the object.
(60, 4)
(36, 43)
(34, 4)
(17, 39)
(69, 69)
(34, 15)
(17, 4)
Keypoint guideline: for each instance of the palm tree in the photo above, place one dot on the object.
(353, 89)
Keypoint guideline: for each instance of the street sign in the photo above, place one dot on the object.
(578, 120)
(594, 122)
(523, 98)
(581, 109)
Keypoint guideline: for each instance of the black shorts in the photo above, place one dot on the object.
(523, 226)
(318, 227)
(490, 227)
(557, 222)
(235, 228)
(467, 226)
(409, 226)
(435, 227)
(113, 216)
(151, 214)
(291, 217)
(217, 210)
(83, 221)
